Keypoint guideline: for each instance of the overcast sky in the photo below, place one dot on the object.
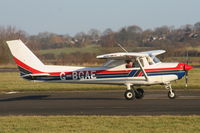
(73, 16)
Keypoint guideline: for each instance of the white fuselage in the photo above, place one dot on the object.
(159, 73)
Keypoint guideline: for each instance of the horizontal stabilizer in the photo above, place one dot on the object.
(36, 75)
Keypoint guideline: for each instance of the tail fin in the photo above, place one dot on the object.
(27, 62)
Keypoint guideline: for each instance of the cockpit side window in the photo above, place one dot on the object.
(113, 63)
(132, 63)
(129, 63)
(142, 62)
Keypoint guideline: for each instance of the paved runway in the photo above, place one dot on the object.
(98, 103)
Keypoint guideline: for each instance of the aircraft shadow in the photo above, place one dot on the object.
(46, 97)
(32, 97)
(84, 98)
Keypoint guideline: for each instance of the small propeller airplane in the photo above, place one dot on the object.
(133, 69)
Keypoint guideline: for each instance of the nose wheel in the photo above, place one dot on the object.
(171, 93)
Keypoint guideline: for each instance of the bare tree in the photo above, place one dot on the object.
(134, 29)
(107, 32)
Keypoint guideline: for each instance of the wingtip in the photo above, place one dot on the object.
(11, 41)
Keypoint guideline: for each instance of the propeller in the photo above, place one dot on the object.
(186, 70)
(186, 78)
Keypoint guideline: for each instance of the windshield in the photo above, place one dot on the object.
(156, 60)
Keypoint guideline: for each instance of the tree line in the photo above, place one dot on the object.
(175, 40)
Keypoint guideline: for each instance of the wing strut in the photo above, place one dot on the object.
(141, 67)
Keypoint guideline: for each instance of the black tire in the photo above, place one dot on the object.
(139, 93)
(172, 95)
(129, 95)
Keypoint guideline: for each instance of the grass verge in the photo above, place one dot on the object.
(99, 124)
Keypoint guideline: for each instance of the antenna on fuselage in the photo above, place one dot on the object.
(122, 47)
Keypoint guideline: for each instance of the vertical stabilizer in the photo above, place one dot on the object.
(27, 62)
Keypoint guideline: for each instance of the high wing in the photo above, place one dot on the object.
(154, 52)
(129, 55)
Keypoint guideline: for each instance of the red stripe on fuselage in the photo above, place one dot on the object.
(140, 74)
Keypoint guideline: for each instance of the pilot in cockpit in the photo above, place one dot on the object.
(129, 64)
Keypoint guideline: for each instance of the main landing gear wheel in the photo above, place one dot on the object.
(171, 94)
(139, 93)
(129, 95)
